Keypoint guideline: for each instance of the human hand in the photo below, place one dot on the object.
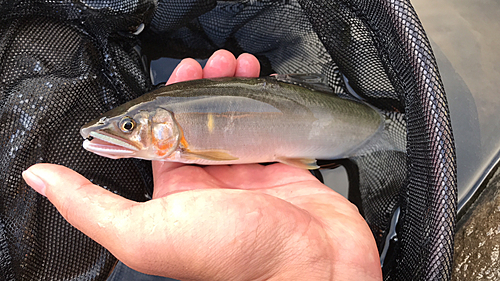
(240, 222)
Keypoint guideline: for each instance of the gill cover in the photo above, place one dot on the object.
(164, 132)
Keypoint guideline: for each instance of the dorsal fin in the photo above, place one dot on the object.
(311, 81)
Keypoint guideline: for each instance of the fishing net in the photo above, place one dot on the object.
(65, 62)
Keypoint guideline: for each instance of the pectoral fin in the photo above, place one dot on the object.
(303, 163)
(212, 155)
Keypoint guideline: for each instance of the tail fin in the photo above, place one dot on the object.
(392, 137)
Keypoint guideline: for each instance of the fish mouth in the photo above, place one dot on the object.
(108, 145)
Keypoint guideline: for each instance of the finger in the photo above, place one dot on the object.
(221, 64)
(160, 167)
(171, 178)
(247, 65)
(255, 176)
(90, 208)
(278, 180)
(187, 69)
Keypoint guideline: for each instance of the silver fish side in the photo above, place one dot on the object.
(233, 121)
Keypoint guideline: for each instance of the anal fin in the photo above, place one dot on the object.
(303, 163)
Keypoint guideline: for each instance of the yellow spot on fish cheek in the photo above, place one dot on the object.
(164, 138)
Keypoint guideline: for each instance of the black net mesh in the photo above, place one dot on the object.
(65, 62)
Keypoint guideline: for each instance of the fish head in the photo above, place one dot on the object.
(140, 133)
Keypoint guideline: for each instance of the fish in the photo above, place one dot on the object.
(292, 119)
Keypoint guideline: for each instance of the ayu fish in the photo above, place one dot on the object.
(293, 119)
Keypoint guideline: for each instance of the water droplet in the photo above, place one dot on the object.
(37, 67)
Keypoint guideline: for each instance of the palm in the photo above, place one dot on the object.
(282, 182)
(274, 203)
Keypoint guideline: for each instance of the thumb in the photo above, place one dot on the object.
(90, 208)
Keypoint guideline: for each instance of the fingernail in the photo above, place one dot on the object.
(35, 182)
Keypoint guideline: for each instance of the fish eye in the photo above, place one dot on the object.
(127, 125)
